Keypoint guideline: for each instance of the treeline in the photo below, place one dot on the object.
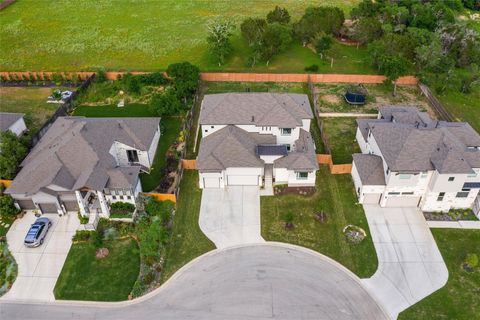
(424, 38)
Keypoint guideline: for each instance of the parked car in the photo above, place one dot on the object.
(37, 232)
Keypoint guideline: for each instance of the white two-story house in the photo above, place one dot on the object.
(13, 122)
(409, 159)
(85, 164)
(256, 139)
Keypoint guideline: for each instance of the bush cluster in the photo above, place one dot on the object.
(122, 208)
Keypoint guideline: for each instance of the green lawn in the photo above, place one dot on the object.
(221, 87)
(170, 129)
(188, 241)
(335, 195)
(31, 101)
(84, 277)
(340, 135)
(463, 107)
(459, 299)
(147, 35)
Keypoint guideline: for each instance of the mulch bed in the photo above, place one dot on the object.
(304, 191)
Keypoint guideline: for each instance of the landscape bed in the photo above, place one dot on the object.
(335, 196)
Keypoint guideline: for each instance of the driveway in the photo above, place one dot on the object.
(39, 268)
(410, 264)
(261, 281)
(231, 216)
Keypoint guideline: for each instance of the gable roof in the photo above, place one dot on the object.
(370, 169)
(261, 109)
(75, 153)
(7, 119)
(415, 143)
(231, 147)
(304, 156)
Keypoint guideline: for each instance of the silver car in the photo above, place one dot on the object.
(37, 232)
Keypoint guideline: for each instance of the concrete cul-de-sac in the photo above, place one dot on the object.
(231, 216)
(39, 268)
(410, 266)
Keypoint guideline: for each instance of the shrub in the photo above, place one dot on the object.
(472, 260)
(138, 288)
(162, 209)
(121, 208)
(153, 79)
(83, 219)
(83, 235)
(288, 219)
(312, 68)
(110, 234)
(100, 76)
(7, 206)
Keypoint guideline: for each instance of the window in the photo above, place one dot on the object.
(472, 175)
(463, 194)
(301, 175)
(206, 130)
(129, 197)
(404, 176)
(288, 147)
(424, 175)
(212, 127)
(440, 197)
(451, 178)
(121, 197)
(132, 155)
(114, 197)
(407, 193)
(393, 193)
(388, 171)
(286, 131)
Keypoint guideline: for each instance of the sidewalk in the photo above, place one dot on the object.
(465, 224)
(346, 115)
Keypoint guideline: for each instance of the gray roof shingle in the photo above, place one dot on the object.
(304, 156)
(7, 119)
(261, 109)
(74, 153)
(370, 169)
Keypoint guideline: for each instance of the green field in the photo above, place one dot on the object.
(463, 107)
(340, 135)
(145, 35)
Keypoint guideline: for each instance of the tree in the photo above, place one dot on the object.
(252, 30)
(279, 15)
(366, 8)
(323, 43)
(367, 30)
(276, 39)
(13, 150)
(7, 206)
(431, 58)
(316, 20)
(218, 39)
(184, 79)
(166, 104)
(393, 67)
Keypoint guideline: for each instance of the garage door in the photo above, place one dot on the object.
(242, 180)
(48, 207)
(371, 198)
(393, 201)
(71, 205)
(26, 204)
(211, 182)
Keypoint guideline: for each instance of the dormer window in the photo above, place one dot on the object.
(132, 156)
(286, 131)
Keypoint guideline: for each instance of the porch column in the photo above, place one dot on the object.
(103, 204)
(81, 204)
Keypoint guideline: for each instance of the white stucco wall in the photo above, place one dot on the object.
(119, 151)
(18, 127)
(270, 159)
(214, 175)
(153, 147)
(361, 141)
(284, 176)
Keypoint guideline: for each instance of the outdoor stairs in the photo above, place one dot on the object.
(92, 223)
(268, 184)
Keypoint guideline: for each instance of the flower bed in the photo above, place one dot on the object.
(452, 215)
(121, 210)
(8, 268)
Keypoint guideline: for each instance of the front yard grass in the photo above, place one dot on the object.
(340, 136)
(188, 241)
(459, 298)
(30, 101)
(335, 195)
(84, 277)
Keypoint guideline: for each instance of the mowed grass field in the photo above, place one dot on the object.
(147, 35)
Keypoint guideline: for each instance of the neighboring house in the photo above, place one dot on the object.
(13, 122)
(257, 139)
(85, 164)
(410, 160)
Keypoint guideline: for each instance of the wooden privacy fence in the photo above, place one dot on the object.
(162, 196)
(226, 77)
(6, 183)
(189, 164)
(334, 168)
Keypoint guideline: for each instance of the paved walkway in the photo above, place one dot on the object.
(231, 216)
(346, 115)
(410, 264)
(39, 268)
(454, 224)
(262, 281)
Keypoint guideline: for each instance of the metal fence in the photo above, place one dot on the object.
(63, 110)
(435, 103)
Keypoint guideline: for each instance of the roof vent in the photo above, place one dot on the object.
(253, 118)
